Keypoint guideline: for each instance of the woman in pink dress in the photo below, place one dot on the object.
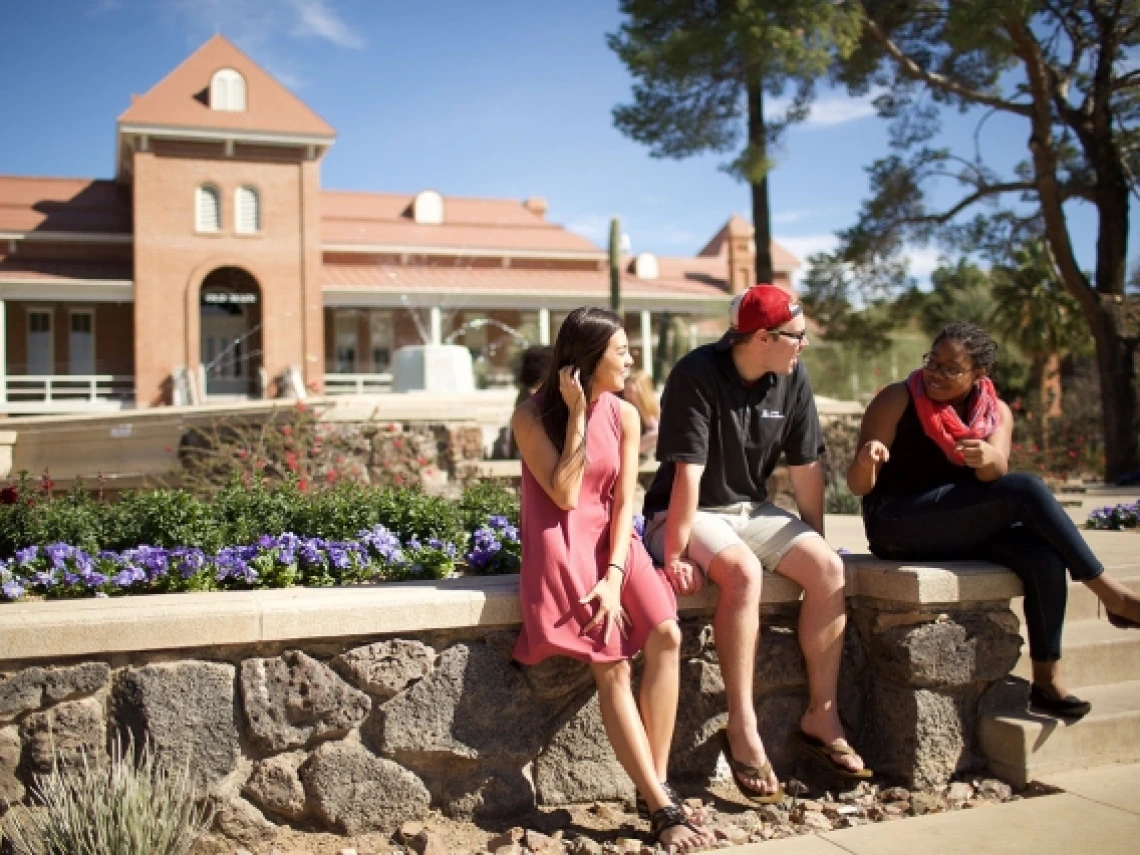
(588, 587)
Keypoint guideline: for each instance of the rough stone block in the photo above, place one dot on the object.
(949, 651)
(33, 687)
(242, 823)
(292, 699)
(476, 705)
(578, 764)
(275, 785)
(386, 668)
(186, 710)
(920, 737)
(354, 792)
(11, 787)
(66, 733)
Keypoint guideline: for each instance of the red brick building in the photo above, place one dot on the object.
(214, 265)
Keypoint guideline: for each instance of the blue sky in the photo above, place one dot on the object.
(498, 98)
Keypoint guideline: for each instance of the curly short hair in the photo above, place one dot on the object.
(977, 343)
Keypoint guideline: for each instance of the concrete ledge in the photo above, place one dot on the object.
(65, 628)
(931, 583)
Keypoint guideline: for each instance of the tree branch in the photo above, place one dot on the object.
(938, 81)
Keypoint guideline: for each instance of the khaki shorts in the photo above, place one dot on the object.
(770, 532)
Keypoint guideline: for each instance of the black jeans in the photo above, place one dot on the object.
(1013, 521)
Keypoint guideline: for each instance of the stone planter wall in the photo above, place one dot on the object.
(284, 721)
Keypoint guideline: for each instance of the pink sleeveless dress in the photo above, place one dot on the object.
(565, 553)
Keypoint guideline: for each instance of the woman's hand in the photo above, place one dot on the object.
(977, 453)
(873, 452)
(608, 594)
(570, 385)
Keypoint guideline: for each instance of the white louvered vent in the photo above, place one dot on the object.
(227, 91)
(208, 209)
(247, 211)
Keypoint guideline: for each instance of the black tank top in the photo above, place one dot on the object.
(917, 464)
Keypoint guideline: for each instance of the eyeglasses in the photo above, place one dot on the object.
(950, 372)
(798, 337)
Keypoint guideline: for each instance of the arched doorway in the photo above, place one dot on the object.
(231, 333)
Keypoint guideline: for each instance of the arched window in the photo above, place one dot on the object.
(208, 209)
(247, 211)
(227, 91)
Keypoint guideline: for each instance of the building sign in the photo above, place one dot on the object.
(215, 298)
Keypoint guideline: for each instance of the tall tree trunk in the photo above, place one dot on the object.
(1115, 359)
(761, 217)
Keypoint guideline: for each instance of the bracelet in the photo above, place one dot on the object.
(618, 567)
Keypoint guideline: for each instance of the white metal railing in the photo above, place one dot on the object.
(357, 384)
(67, 388)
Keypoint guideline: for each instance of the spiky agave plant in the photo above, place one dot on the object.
(135, 804)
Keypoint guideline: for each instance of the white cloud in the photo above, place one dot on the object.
(829, 111)
(593, 227)
(796, 215)
(923, 261)
(316, 18)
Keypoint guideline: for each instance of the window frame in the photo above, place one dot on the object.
(49, 311)
(72, 313)
(228, 91)
(255, 194)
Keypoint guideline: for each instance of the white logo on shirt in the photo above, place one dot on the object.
(771, 414)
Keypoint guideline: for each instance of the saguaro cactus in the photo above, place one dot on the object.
(615, 265)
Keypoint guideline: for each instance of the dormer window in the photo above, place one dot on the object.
(227, 91)
(208, 209)
(427, 208)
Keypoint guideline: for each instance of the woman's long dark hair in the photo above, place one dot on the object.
(582, 341)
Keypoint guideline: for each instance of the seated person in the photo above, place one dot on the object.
(933, 471)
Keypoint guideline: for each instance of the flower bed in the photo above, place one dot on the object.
(1114, 518)
(164, 541)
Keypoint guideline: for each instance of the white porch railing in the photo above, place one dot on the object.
(61, 393)
(357, 384)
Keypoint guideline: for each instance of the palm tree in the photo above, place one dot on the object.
(1033, 311)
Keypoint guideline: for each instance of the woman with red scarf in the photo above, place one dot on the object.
(933, 471)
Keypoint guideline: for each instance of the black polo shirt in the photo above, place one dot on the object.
(710, 415)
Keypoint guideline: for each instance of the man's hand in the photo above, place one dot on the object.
(977, 453)
(685, 576)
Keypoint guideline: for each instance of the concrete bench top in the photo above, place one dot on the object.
(64, 628)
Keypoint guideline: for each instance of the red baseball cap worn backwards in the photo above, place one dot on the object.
(762, 307)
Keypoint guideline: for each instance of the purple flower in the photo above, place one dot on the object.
(12, 590)
(27, 555)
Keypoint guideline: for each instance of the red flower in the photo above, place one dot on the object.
(46, 482)
(9, 496)
(303, 485)
(421, 460)
(330, 476)
(301, 407)
(286, 431)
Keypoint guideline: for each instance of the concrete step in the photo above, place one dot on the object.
(1094, 653)
(1027, 745)
(1083, 603)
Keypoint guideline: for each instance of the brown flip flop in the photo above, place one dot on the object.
(829, 752)
(763, 771)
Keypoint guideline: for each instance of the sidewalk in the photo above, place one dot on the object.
(1099, 812)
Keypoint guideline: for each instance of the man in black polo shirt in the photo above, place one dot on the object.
(728, 411)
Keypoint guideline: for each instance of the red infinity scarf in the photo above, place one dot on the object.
(941, 423)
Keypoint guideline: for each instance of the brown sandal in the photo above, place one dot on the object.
(671, 816)
(740, 770)
(830, 752)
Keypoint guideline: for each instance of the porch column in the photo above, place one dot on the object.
(544, 326)
(436, 325)
(647, 343)
(3, 351)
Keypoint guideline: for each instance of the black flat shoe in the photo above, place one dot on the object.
(1120, 621)
(1068, 707)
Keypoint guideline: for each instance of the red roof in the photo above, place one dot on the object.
(64, 205)
(737, 226)
(14, 268)
(460, 279)
(385, 219)
(181, 99)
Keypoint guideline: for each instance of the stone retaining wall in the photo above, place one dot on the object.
(360, 732)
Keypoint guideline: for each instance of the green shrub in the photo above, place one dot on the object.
(140, 806)
(486, 499)
(160, 518)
